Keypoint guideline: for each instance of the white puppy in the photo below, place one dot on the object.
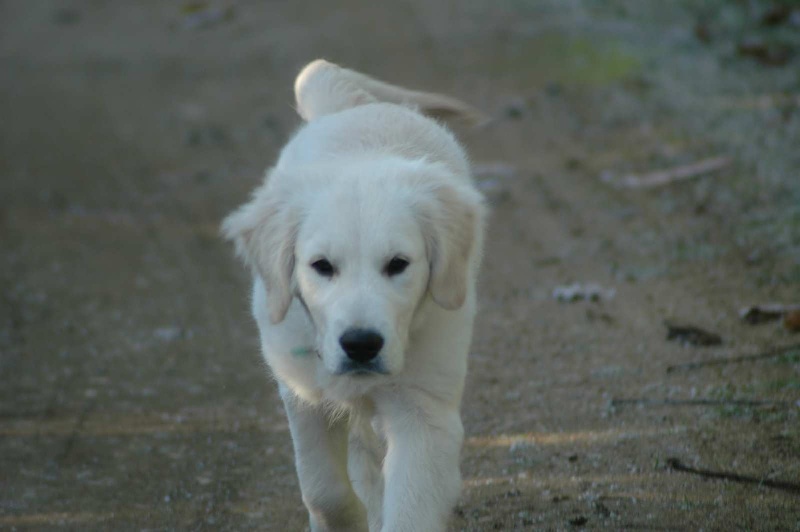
(364, 242)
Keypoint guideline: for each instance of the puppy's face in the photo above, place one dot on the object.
(361, 270)
(360, 247)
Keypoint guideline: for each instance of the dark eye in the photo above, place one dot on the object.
(396, 266)
(323, 267)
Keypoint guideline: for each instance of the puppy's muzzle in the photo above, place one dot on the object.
(361, 345)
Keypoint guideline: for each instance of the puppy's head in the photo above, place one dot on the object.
(361, 246)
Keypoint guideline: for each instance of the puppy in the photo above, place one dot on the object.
(364, 242)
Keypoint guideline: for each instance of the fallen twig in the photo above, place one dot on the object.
(578, 292)
(778, 351)
(767, 53)
(756, 314)
(696, 402)
(76, 429)
(677, 465)
(691, 335)
(670, 175)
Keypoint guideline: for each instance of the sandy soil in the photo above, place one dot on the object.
(133, 396)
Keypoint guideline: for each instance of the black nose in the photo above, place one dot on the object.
(361, 345)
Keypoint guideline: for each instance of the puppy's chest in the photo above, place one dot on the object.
(367, 429)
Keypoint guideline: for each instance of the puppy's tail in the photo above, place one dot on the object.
(323, 88)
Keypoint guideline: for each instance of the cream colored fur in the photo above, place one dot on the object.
(367, 180)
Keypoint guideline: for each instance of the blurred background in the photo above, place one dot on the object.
(643, 167)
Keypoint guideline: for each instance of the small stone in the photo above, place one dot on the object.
(601, 509)
(167, 334)
(792, 321)
(578, 521)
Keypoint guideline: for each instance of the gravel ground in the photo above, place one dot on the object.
(133, 396)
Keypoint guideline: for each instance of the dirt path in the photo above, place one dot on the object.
(133, 396)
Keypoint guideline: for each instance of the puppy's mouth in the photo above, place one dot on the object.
(348, 367)
(351, 368)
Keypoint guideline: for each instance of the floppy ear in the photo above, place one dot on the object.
(452, 225)
(264, 232)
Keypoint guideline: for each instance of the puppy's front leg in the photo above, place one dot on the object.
(421, 469)
(320, 448)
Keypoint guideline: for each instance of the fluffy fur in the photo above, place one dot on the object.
(368, 180)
